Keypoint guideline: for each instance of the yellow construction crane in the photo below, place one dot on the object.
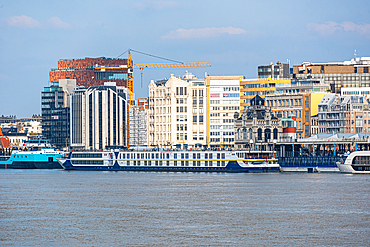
(130, 78)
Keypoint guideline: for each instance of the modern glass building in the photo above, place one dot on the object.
(55, 112)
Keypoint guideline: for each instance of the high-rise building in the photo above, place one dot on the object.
(55, 112)
(223, 100)
(354, 73)
(91, 71)
(98, 117)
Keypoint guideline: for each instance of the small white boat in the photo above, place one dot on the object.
(357, 163)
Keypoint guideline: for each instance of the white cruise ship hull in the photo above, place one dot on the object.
(181, 161)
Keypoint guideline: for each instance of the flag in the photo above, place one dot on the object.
(334, 149)
(313, 149)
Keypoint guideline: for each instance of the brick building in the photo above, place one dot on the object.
(90, 72)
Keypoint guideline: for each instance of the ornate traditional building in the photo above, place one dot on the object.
(257, 128)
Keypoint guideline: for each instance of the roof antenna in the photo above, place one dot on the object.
(355, 54)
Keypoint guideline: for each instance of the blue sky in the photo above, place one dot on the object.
(235, 36)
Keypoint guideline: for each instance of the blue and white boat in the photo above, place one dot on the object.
(40, 159)
(172, 160)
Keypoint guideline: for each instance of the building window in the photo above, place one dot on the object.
(259, 132)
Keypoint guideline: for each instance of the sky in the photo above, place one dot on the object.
(234, 36)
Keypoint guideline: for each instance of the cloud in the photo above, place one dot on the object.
(200, 33)
(24, 21)
(157, 4)
(330, 27)
(55, 22)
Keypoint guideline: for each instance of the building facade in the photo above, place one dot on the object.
(249, 88)
(223, 100)
(343, 114)
(90, 72)
(300, 98)
(172, 122)
(354, 73)
(277, 71)
(139, 123)
(191, 112)
(55, 109)
(257, 128)
(98, 117)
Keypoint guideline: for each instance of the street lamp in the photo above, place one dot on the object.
(250, 144)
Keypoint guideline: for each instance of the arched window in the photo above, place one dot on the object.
(275, 134)
(267, 135)
(245, 134)
(259, 133)
(250, 134)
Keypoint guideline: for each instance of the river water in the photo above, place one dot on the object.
(78, 208)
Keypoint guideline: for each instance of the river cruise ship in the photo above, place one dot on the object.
(356, 162)
(172, 160)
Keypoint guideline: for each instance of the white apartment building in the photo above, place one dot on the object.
(98, 117)
(223, 101)
(189, 112)
(170, 112)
